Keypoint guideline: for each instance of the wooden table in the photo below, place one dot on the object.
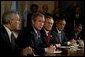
(69, 52)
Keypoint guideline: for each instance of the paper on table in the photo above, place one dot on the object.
(65, 47)
(58, 51)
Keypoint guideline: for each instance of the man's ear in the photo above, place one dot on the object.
(32, 22)
(10, 21)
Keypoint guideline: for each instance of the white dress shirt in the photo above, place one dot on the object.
(46, 32)
(15, 34)
(58, 30)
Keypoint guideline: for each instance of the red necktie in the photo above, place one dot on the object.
(48, 38)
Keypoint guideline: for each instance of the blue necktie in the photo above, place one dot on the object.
(60, 37)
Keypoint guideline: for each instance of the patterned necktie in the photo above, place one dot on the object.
(48, 37)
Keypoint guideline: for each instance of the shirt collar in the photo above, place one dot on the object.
(46, 32)
(8, 30)
(58, 30)
(35, 30)
(15, 34)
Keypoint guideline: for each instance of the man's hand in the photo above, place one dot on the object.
(26, 51)
(51, 49)
(58, 45)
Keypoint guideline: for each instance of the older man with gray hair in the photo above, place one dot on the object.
(10, 22)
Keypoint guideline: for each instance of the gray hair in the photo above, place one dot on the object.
(36, 15)
(7, 16)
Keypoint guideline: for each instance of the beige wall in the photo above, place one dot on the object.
(40, 3)
(25, 5)
(5, 5)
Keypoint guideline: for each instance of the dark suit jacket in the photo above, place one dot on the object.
(56, 36)
(5, 45)
(27, 38)
(71, 35)
(29, 16)
(51, 40)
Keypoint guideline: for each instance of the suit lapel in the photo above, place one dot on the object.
(5, 37)
(58, 36)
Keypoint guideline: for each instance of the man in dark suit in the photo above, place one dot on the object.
(10, 22)
(59, 34)
(75, 16)
(76, 34)
(46, 31)
(32, 36)
(33, 9)
(45, 10)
